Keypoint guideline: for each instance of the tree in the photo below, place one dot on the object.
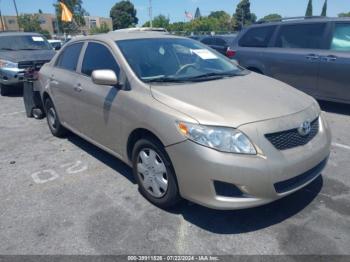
(100, 30)
(76, 7)
(243, 16)
(177, 27)
(224, 20)
(123, 15)
(31, 23)
(344, 14)
(324, 9)
(271, 17)
(309, 9)
(159, 21)
(197, 14)
(40, 11)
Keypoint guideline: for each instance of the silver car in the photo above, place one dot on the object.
(191, 123)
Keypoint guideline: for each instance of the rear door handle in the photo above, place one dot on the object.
(312, 57)
(78, 88)
(330, 58)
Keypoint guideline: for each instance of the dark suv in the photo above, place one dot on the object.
(311, 54)
(19, 52)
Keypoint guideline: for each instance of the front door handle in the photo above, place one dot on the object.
(312, 57)
(78, 88)
(330, 58)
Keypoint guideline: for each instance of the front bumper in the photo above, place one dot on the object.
(197, 167)
(11, 76)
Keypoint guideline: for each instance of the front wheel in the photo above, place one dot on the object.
(53, 121)
(154, 173)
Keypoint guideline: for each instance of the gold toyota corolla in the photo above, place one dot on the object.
(190, 122)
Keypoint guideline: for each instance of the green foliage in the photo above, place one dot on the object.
(159, 21)
(218, 21)
(100, 30)
(271, 17)
(123, 15)
(177, 27)
(243, 16)
(344, 14)
(76, 7)
(31, 23)
(324, 9)
(309, 11)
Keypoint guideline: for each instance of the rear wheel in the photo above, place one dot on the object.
(53, 121)
(154, 173)
(4, 90)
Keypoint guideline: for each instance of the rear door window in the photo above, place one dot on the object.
(341, 37)
(221, 42)
(307, 36)
(257, 37)
(69, 57)
(208, 41)
(98, 57)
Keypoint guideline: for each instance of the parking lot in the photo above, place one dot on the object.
(65, 196)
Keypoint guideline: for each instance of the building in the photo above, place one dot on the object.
(9, 23)
(48, 22)
(95, 21)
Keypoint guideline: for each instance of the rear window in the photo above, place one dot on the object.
(257, 37)
(341, 37)
(208, 41)
(307, 36)
(221, 42)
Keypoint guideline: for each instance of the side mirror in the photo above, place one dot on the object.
(104, 77)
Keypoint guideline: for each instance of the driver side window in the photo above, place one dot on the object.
(98, 57)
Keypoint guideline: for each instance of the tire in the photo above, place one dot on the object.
(167, 198)
(53, 121)
(4, 91)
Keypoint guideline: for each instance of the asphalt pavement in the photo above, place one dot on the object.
(65, 196)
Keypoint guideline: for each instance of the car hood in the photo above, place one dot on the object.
(27, 55)
(233, 101)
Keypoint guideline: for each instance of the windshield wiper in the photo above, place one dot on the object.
(211, 76)
(29, 49)
(7, 49)
(164, 80)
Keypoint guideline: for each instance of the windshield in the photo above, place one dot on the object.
(24, 42)
(175, 60)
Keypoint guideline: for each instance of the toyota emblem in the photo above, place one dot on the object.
(305, 128)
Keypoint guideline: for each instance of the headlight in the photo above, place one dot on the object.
(7, 64)
(223, 139)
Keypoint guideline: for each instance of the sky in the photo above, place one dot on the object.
(175, 9)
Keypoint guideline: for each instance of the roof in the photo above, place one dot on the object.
(127, 35)
(302, 20)
(12, 33)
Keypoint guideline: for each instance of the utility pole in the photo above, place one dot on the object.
(14, 3)
(2, 22)
(150, 13)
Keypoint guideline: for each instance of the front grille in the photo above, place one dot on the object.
(291, 138)
(290, 184)
(35, 65)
